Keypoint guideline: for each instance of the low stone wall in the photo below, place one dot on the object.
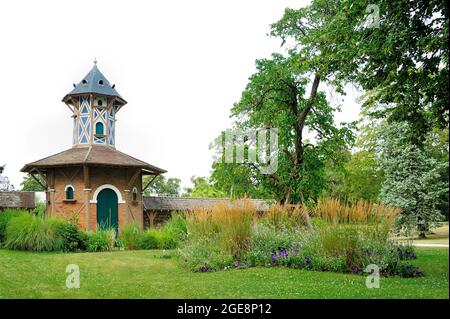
(18, 200)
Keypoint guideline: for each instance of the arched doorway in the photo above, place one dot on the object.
(108, 209)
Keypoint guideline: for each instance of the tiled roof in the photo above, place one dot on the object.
(91, 155)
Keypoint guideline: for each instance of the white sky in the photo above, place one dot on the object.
(180, 65)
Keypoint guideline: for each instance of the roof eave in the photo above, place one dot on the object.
(66, 98)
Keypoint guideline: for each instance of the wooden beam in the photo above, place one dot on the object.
(133, 178)
(148, 184)
(86, 176)
(37, 179)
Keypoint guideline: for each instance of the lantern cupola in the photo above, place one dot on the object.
(94, 103)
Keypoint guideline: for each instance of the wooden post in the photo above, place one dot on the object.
(87, 195)
(51, 190)
(151, 218)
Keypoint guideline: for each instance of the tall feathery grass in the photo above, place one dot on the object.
(338, 211)
(28, 232)
(283, 216)
(229, 224)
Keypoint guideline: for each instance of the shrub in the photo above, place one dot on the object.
(5, 217)
(165, 239)
(101, 240)
(131, 235)
(149, 240)
(204, 256)
(73, 239)
(28, 232)
(176, 228)
(341, 237)
(40, 208)
(269, 244)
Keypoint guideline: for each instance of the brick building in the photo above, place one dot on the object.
(92, 182)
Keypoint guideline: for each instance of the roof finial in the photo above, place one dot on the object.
(95, 61)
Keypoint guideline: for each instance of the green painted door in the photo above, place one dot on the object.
(108, 210)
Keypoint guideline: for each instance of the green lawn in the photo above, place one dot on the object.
(144, 274)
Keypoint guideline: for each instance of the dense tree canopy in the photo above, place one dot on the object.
(276, 96)
(401, 60)
(413, 180)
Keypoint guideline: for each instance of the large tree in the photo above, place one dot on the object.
(285, 95)
(412, 179)
(400, 59)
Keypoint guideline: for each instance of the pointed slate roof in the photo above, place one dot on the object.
(95, 82)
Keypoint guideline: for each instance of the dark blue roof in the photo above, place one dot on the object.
(95, 82)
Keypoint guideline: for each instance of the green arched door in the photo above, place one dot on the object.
(108, 210)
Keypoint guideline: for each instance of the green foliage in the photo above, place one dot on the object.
(237, 181)
(28, 232)
(437, 146)
(267, 239)
(161, 185)
(402, 63)
(29, 184)
(40, 208)
(364, 177)
(73, 239)
(280, 239)
(130, 236)
(203, 189)
(176, 228)
(5, 217)
(168, 236)
(276, 96)
(413, 180)
(158, 238)
(101, 240)
(23, 231)
(149, 240)
(204, 256)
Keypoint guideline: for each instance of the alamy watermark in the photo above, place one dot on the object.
(373, 279)
(258, 147)
(372, 17)
(73, 277)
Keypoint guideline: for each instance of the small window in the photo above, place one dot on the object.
(99, 129)
(100, 82)
(69, 193)
(99, 102)
(134, 194)
(84, 82)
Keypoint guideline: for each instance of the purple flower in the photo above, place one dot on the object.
(274, 258)
(203, 269)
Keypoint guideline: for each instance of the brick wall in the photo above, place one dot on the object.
(82, 207)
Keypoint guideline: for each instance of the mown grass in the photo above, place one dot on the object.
(148, 274)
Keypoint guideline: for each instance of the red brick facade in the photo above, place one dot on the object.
(83, 208)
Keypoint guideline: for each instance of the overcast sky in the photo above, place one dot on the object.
(180, 65)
